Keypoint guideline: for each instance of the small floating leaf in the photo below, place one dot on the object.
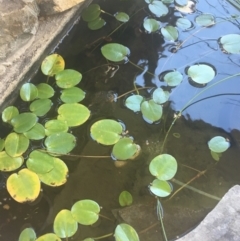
(86, 212)
(55, 126)
(72, 95)
(151, 111)
(184, 23)
(122, 17)
(9, 113)
(28, 92)
(41, 107)
(8, 163)
(181, 2)
(133, 102)
(1, 144)
(91, 12)
(170, 33)
(151, 25)
(218, 144)
(36, 133)
(88, 239)
(160, 188)
(96, 24)
(45, 91)
(125, 198)
(28, 234)
(48, 237)
(173, 78)
(189, 8)
(52, 64)
(158, 8)
(160, 96)
(125, 232)
(230, 43)
(205, 20)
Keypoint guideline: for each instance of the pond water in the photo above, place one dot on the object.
(213, 113)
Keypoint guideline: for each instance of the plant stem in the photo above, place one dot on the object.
(130, 91)
(109, 14)
(106, 217)
(160, 217)
(141, 68)
(104, 236)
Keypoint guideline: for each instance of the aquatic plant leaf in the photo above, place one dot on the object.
(163, 167)
(24, 122)
(133, 102)
(173, 78)
(170, 33)
(52, 64)
(158, 8)
(167, 1)
(160, 96)
(125, 198)
(73, 114)
(65, 226)
(9, 113)
(91, 12)
(88, 239)
(184, 23)
(218, 144)
(96, 24)
(125, 232)
(41, 107)
(45, 91)
(28, 234)
(86, 212)
(8, 163)
(151, 111)
(201, 73)
(55, 126)
(28, 92)
(230, 43)
(106, 132)
(16, 144)
(205, 20)
(160, 188)
(151, 25)
(115, 52)
(122, 17)
(48, 237)
(40, 162)
(57, 176)
(124, 149)
(189, 8)
(72, 95)
(181, 2)
(216, 156)
(24, 186)
(36, 133)
(61, 143)
(1, 144)
(68, 78)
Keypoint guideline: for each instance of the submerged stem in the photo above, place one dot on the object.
(106, 217)
(104, 236)
(130, 91)
(141, 68)
(160, 217)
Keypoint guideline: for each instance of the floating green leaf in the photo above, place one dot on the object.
(55, 126)
(8, 163)
(170, 33)
(160, 96)
(230, 43)
(184, 23)
(106, 132)
(28, 92)
(74, 114)
(163, 166)
(218, 144)
(173, 78)
(65, 226)
(41, 107)
(45, 91)
(115, 52)
(1, 144)
(189, 8)
(201, 73)
(36, 133)
(88, 239)
(125, 198)
(91, 12)
(133, 102)
(151, 111)
(48, 237)
(125, 232)
(181, 2)
(72, 95)
(96, 23)
(160, 188)
(28, 234)
(52, 64)
(151, 25)
(158, 8)
(9, 113)
(86, 212)
(16, 144)
(24, 186)
(167, 1)
(205, 20)
(122, 17)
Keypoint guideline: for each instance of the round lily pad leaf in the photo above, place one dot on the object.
(124, 149)
(9, 113)
(60, 143)
(45, 91)
(218, 144)
(86, 212)
(133, 102)
(28, 234)
(41, 107)
(68, 78)
(65, 226)
(125, 232)
(122, 17)
(184, 23)
(24, 122)
(163, 167)
(55, 126)
(170, 33)
(151, 25)
(72, 95)
(2, 143)
(48, 237)
(24, 186)
(181, 2)
(189, 8)
(16, 144)
(201, 73)
(52, 64)
(158, 8)
(115, 52)
(57, 176)
(91, 12)
(230, 43)
(160, 188)
(106, 132)
(36, 133)
(125, 198)
(74, 114)
(151, 111)
(28, 92)
(40, 162)
(96, 23)
(173, 78)
(205, 20)
(8, 163)
(160, 96)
